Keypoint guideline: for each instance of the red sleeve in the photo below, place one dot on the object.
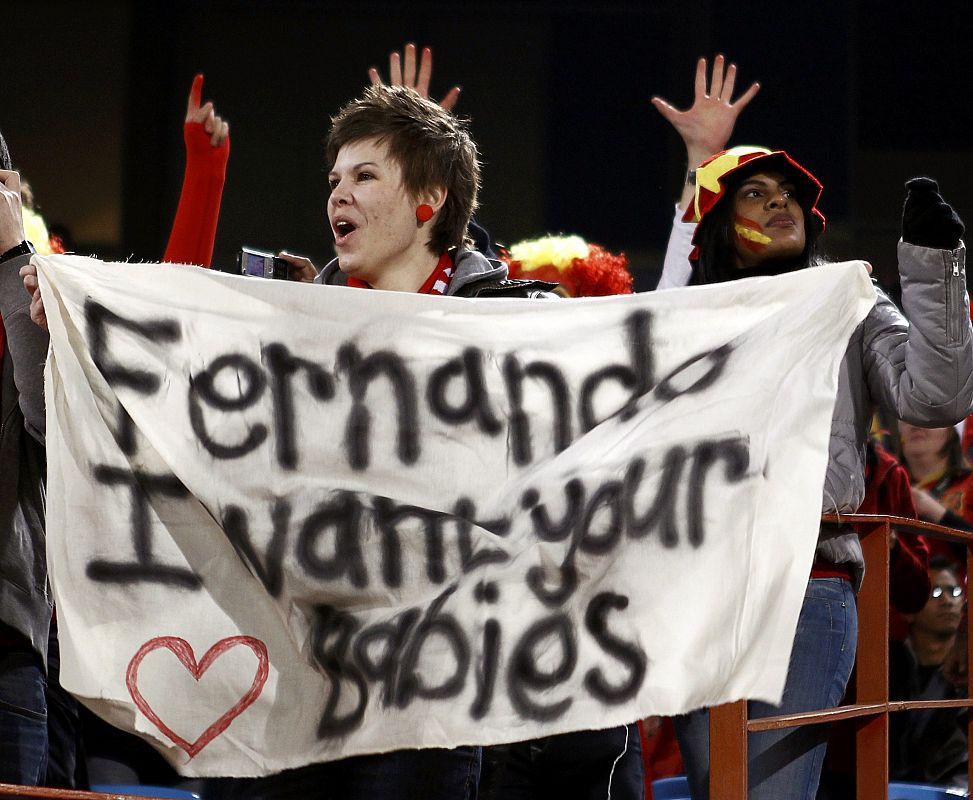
(194, 228)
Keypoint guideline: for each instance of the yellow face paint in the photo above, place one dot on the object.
(749, 234)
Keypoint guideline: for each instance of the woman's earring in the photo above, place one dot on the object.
(424, 213)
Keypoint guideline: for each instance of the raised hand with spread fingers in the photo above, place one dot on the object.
(408, 76)
(706, 126)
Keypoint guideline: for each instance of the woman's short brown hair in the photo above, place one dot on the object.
(430, 145)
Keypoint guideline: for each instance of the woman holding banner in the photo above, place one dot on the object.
(756, 215)
(404, 180)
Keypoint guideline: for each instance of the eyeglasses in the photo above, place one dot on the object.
(951, 591)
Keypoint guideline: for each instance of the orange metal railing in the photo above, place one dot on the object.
(12, 790)
(729, 724)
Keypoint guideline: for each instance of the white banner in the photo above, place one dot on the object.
(291, 523)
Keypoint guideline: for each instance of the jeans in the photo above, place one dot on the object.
(23, 718)
(585, 765)
(786, 764)
(430, 774)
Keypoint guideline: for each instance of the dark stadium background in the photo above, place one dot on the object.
(865, 93)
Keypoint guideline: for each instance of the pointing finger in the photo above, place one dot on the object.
(195, 94)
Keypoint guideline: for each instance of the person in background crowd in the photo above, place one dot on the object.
(942, 484)
(941, 478)
(929, 745)
(580, 269)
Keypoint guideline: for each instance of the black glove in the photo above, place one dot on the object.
(927, 219)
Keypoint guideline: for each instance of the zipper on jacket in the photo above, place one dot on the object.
(954, 294)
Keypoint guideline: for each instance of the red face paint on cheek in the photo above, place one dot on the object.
(750, 234)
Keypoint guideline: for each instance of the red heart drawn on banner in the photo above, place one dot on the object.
(182, 650)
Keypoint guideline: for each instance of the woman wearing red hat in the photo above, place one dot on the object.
(756, 214)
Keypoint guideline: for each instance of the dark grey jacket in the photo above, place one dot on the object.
(921, 372)
(25, 599)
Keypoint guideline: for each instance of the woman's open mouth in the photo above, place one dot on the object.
(343, 229)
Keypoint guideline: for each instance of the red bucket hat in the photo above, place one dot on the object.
(713, 174)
